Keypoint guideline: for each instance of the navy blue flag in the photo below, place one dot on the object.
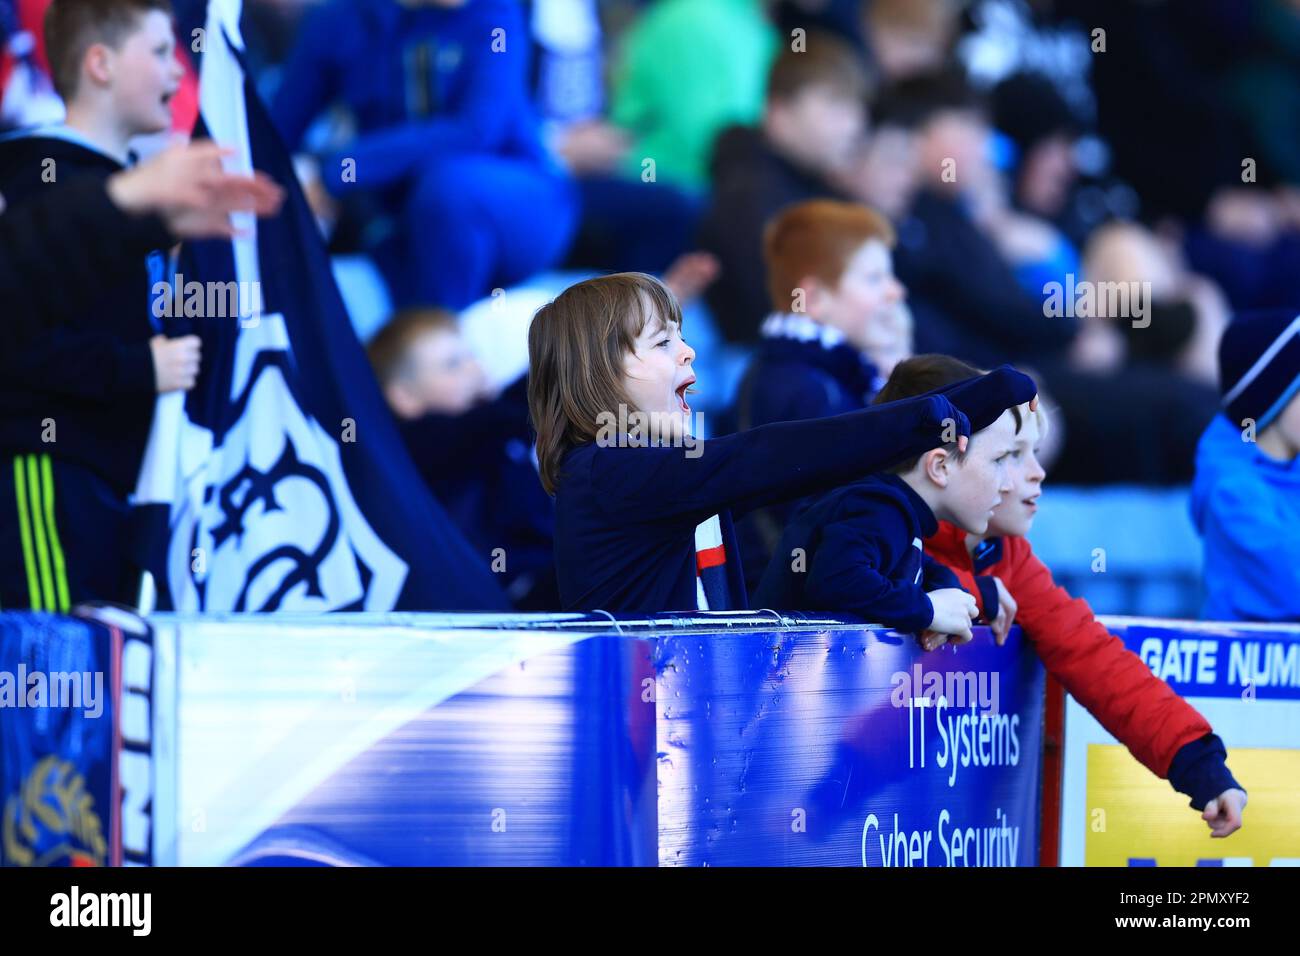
(281, 479)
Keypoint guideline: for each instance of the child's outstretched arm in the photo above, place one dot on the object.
(770, 463)
(1164, 732)
(789, 459)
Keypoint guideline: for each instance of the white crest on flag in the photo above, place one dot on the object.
(265, 520)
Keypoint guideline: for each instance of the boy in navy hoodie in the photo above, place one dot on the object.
(837, 327)
(859, 549)
(77, 401)
(643, 508)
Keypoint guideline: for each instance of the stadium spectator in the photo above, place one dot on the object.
(837, 325)
(813, 120)
(687, 69)
(447, 143)
(882, 173)
(858, 548)
(77, 402)
(966, 294)
(906, 38)
(55, 248)
(628, 221)
(472, 448)
(999, 567)
(1246, 496)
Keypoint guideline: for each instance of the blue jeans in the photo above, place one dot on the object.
(473, 222)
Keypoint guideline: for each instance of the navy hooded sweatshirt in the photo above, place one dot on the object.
(626, 516)
(861, 553)
(93, 374)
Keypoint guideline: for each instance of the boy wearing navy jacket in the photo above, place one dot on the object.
(76, 402)
(858, 549)
(643, 519)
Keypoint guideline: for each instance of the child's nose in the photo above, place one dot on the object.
(687, 356)
(897, 291)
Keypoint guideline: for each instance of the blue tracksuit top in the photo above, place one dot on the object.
(1246, 507)
(420, 81)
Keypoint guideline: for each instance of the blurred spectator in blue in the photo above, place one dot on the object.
(812, 128)
(447, 143)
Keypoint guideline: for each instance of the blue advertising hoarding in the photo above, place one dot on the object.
(684, 740)
(847, 748)
(76, 739)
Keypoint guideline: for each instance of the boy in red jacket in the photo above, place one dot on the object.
(1165, 733)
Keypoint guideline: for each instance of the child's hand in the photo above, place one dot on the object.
(1007, 607)
(954, 609)
(932, 640)
(175, 362)
(690, 274)
(1223, 813)
(187, 186)
(945, 420)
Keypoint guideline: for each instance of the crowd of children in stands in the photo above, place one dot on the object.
(864, 196)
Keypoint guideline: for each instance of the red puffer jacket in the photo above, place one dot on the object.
(1136, 707)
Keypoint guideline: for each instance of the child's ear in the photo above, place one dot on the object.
(98, 64)
(401, 401)
(935, 464)
(814, 297)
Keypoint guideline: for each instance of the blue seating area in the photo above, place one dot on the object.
(1151, 552)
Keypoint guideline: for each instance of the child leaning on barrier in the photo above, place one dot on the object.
(858, 549)
(643, 506)
(1246, 494)
(1159, 728)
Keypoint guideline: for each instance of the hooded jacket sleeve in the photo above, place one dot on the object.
(788, 460)
(847, 572)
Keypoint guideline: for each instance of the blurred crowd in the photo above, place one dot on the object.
(1012, 144)
(1019, 151)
